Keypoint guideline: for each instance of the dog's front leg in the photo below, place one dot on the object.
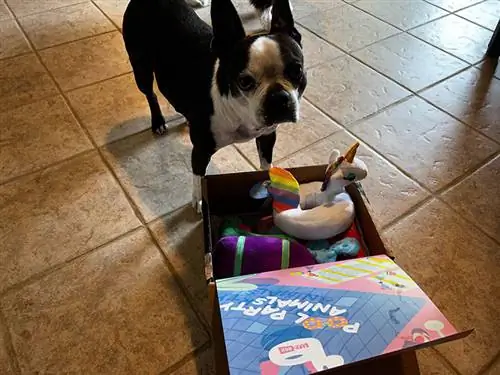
(265, 146)
(200, 158)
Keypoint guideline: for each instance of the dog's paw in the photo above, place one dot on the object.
(265, 18)
(160, 129)
(197, 206)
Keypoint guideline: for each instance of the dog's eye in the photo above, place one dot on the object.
(295, 71)
(246, 82)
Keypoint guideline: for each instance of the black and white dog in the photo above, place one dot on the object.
(230, 87)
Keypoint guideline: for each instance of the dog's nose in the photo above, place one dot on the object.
(281, 100)
(279, 106)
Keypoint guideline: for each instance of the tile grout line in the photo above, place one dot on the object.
(66, 263)
(445, 361)
(456, 10)
(420, 96)
(475, 168)
(44, 11)
(371, 148)
(17, 55)
(48, 166)
(180, 283)
(98, 82)
(188, 357)
(9, 343)
(471, 21)
(397, 27)
(488, 366)
(43, 49)
(440, 199)
(427, 22)
(384, 228)
(106, 15)
(246, 158)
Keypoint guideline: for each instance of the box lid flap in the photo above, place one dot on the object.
(326, 316)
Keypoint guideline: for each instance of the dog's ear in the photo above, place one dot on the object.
(282, 20)
(227, 27)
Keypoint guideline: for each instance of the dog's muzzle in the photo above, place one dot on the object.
(279, 106)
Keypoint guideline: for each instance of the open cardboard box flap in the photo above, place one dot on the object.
(228, 194)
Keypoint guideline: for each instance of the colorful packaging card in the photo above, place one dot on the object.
(305, 320)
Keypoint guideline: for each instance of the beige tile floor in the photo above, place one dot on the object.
(101, 255)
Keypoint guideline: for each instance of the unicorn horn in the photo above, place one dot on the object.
(349, 155)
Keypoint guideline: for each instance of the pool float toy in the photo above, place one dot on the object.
(321, 209)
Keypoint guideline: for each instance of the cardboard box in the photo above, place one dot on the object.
(228, 194)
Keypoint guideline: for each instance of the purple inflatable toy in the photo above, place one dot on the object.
(244, 255)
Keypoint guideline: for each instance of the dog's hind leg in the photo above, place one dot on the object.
(143, 73)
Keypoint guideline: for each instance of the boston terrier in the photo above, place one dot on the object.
(230, 87)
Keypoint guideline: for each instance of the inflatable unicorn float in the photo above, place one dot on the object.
(317, 210)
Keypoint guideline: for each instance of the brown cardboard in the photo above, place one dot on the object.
(228, 194)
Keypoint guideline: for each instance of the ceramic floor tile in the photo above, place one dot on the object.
(402, 14)
(12, 40)
(312, 127)
(180, 235)
(228, 160)
(391, 193)
(494, 369)
(430, 362)
(248, 15)
(486, 14)
(4, 12)
(24, 80)
(86, 61)
(478, 198)
(117, 310)
(65, 25)
(54, 215)
(303, 8)
(471, 96)
(114, 109)
(347, 27)
(26, 7)
(427, 143)
(156, 171)
(203, 364)
(409, 61)
(349, 90)
(453, 5)
(6, 367)
(316, 50)
(456, 36)
(38, 134)
(458, 267)
(114, 9)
